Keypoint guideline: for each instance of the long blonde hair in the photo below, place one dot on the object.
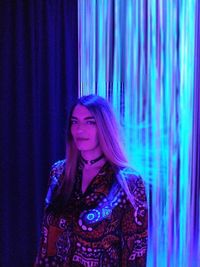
(109, 137)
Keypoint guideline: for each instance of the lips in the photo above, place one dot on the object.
(82, 139)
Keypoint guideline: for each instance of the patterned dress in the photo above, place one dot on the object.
(99, 227)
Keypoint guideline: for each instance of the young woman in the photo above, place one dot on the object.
(96, 209)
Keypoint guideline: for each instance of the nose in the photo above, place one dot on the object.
(80, 128)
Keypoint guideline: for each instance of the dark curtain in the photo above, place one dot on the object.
(38, 83)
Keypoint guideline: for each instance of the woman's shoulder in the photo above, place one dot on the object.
(134, 186)
(55, 180)
(57, 171)
(131, 179)
(129, 174)
(58, 167)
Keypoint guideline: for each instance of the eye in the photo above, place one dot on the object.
(91, 122)
(73, 121)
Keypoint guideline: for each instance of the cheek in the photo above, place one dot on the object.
(95, 135)
(72, 130)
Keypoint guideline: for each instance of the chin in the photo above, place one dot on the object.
(84, 148)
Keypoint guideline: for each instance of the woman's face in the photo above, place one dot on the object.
(84, 129)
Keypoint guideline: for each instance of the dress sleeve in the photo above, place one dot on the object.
(53, 185)
(134, 226)
(55, 181)
(42, 244)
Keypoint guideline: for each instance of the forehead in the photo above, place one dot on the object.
(81, 112)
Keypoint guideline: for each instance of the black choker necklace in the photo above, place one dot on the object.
(91, 162)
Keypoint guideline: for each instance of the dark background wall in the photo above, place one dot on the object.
(38, 83)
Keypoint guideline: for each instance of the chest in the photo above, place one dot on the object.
(87, 177)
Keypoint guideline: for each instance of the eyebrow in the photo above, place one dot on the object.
(86, 118)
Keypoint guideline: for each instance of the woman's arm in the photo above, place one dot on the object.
(42, 245)
(56, 174)
(134, 226)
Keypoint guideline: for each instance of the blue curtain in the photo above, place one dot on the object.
(144, 57)
(38, 83)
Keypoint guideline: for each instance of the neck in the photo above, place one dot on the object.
(92, 160)
(90, 155)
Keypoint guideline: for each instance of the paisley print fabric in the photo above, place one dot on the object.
(100, 227)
